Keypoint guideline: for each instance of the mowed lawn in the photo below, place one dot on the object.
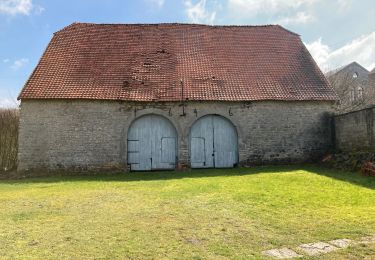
(201, 214)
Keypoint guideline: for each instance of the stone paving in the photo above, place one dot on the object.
(282, 253)
(341, 243)
(313, 249)
(317, 248)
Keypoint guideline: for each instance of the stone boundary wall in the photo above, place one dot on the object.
(354, 131)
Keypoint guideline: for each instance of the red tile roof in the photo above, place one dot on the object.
(172, 62)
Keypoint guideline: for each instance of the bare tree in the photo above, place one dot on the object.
(9, 120)
(354, 93)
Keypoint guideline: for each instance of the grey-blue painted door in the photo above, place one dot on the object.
(213, 143)
(152, 144)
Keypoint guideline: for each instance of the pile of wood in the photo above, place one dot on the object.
(368, 169)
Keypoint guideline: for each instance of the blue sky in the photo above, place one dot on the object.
(335, 31)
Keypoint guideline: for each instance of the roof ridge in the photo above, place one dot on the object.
(334, 71)
(176, 23)
(75, 24)
(283, 28)
(355, 62)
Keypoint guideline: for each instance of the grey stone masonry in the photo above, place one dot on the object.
(355, 130)
(91, 134)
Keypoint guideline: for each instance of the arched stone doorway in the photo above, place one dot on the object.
(213, 143)
(152, 144)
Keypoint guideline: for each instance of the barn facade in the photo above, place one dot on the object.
(167, 96)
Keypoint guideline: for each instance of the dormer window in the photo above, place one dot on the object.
(355, 75)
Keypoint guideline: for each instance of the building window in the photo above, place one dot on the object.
(352, 95)
(360, 93)
(355, 75)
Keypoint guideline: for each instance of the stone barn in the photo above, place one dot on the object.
(147, 97)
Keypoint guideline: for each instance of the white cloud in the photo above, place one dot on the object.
(14, 7)
(24, 7)
(319, 51)
(344, 5)
(158, 3)
(269, 7)
(282, 11)
(17, 64)
(8, 103)
(299, 18)
(197, 13)
(361, 50)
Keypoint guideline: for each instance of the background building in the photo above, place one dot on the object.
(353, 86)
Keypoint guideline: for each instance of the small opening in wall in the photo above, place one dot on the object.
(360, 93)
(352, 95)
(355, 75)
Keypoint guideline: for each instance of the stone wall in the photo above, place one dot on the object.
(92, 134)
(355, 130)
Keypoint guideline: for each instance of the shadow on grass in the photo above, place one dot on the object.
(353, 178)
(152, 175)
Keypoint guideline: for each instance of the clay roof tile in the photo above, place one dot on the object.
(172, 62)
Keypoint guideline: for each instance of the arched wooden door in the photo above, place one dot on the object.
(152, 144)
(213, 143)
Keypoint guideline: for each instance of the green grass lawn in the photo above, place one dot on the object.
(202, 214)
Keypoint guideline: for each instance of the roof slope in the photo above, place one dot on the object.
(350, 65)
(171, 62)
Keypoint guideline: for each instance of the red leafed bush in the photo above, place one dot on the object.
(368, 169)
